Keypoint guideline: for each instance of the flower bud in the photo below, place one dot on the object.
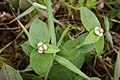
(99, 31)
(41, 47)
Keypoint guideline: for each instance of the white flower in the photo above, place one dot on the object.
(40, 51)
(99, 31)
(41, 47)
(45, 47)
(39, 44)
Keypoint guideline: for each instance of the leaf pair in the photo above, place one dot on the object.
(90, 21)
(41, 63)
(70, 50)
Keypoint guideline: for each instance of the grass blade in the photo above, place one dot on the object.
(117, 67)
(70, 66)
(24, 13)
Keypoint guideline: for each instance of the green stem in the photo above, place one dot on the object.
(51, 28)
(80, 45)
(23, 27)
(63, 35)
(29, 1)
(50, 22)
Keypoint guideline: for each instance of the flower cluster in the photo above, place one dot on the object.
(99, 31)
(41, 47)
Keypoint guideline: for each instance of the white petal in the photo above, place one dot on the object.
(101, 30)
(40, 44)
(100, 34)
(40, 48)
(45, 47)
(97, 32)
(40, 51)
(96, 28)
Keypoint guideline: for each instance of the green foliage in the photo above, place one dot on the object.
(66, 52)
(69, 50)
(70, 66)
(27, 76)
(107, 29)
(9, 73)
(90, 3)
(117, 67)
(71, 1)
(38, 33)
(41, 63)
(91, 38)
(2, 61)
(59, 72)
(71, 54)
(99, 46)
(92, 78)
(88, 57)
(84, 48)
(89, 19)
(51, 49)
(24, 13)
(78, 62)
(27, 48)
(95, 78)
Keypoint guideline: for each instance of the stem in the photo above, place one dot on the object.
(29, 1)
(80, 45)
(23, 27)
(51, 28)
(63, 35)
(50, 22)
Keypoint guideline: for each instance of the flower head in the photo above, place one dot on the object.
(99, 31)
(41, 47)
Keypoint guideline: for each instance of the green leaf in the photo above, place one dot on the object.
(88, 57)
(27, 69)
(70, 66)
(51, 49)
(99, 46)
(9, 73)
(78, 62)
(84, 48)
(91, 3)
(41, 63)
(107, 25)
(71, 1)
(39, 5)
(69, 50)
(117, 67)
(38, 33)
(81, 3)
(95, 78)
(79, 78)
(91, 38)
(89, 19)
(59, 72)
(27, 48)
(92, 78)
(81, 38)
(3, 60)
(24, 13)
(109, 38)
(27, 76)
